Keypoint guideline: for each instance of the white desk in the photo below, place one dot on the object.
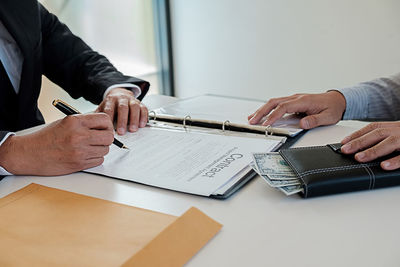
(262, 227)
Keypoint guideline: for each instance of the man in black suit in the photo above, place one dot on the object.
(33, 42)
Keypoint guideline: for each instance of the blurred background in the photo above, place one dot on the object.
(132, 34)
(247, 48)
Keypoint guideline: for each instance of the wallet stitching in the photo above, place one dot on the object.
(372, 186)
(341, 168)
(374, 182)
(367, 169)
(332, 169)
(307, 147)
(297, 172)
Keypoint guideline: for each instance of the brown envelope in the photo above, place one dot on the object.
(42, 226)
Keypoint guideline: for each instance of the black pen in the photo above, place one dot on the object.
(68, 110)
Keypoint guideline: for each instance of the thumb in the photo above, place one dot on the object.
(316, 120)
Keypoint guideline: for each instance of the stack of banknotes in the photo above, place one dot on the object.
(276, 172)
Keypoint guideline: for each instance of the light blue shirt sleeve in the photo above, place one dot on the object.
(378, 99)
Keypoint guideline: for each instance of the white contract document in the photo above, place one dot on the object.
(187, 161)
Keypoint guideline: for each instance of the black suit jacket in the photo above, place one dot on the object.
(49, 48)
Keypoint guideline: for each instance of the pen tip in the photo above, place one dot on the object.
(125, 147)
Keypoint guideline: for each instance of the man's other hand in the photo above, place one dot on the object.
(320, 109)
(65, 146)
(121, 105)
(376, 140)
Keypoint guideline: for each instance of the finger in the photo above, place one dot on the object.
(100, 107)
(93, 162)
(370, 127)
(109, 107)
(312, 121)
(290, 106)
(144, 116)
(383, 148)
(134, 114)
(98, 121)
(258, 114)
(122, 116)
(100, 137)
(266, 109)
(96, 152)
(391, 164)
(367, 140)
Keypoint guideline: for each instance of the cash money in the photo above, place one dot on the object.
(291, 190)
(274, 166)
(276, 182)
(276, 172)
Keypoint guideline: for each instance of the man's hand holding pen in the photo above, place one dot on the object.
(76, 142)
(65, 146)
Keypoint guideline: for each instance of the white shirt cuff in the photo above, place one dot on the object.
(133, 87)
(2, 170)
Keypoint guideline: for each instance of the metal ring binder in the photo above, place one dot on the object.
(269, 131)
(223, 125)
(154, 114)
(184, 120)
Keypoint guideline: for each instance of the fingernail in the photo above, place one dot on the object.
(121, 131)
(306, 124)
(133, 128)
(346, 139)
(265, 122)
(360, 155)
(346, 148)
(251, 120)
(386, 164)
(142, 124)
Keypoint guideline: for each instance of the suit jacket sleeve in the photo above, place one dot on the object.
(3, 134)
(72, 64)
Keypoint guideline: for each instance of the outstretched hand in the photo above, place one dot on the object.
(121, 105)
(376, 140)
(320, 109)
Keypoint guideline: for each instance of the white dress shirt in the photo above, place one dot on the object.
(12, 59)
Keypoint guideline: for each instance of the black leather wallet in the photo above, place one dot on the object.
(325, 170)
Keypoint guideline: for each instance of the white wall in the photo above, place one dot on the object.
(267, 48)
